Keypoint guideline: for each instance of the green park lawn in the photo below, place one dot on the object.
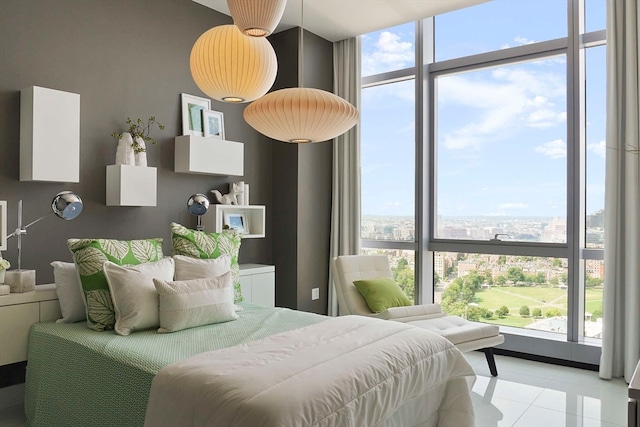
(543, 298)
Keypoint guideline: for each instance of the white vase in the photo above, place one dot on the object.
(124, 152)
(2, 276)
(141, 157)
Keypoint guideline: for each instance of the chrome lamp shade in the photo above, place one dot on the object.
(198, 205)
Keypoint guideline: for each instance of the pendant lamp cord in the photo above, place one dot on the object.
(301, 48)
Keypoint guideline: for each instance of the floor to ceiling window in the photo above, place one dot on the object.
(483, 170)
(388, 172)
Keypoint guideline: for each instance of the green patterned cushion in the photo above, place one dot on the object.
(199, 244)
(89, 256)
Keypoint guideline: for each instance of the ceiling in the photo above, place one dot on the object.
(337, 20)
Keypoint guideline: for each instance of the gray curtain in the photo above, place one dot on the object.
(345, 203)
(621, 311)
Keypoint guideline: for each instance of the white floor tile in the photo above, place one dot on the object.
(496, 412)
(542, 417)
(495, 387)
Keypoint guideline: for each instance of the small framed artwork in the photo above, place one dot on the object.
(3, 225)
(237, 221)
(213, 122)
(192, 108)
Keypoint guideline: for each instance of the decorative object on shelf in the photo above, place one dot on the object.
(236, 221)
(228, 199)
(198, 205)
(230, 67)
(4, 265)
(246, 194)
(256, 18)
(65, 205)
(124, 152)
(192, 108)
(213, 123)
(255, 216)
(132, 149)
(240, 196)
(300, 114)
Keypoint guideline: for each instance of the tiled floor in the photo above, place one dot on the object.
(525, 394)
(536, 394)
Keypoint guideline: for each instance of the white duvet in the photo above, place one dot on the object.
(345, 371)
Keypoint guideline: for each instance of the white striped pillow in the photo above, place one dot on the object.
(190, 303)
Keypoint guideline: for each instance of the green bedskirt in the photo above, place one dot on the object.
(79, 377)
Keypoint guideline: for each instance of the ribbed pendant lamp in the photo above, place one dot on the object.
(256, 18)
(230, 67)
(301, 115)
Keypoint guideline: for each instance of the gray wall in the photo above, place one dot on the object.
(302, 184)
(126, 58)
(130, 58)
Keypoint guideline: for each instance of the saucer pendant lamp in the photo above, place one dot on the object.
(256, 18)
(230, 67)
(301, 115)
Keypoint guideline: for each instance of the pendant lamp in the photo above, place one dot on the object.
(301, 115)
(230, 67)
(256, 18)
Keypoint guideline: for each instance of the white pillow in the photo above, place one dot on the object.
(188, 268)
(135, 300)
(197, 302)
(69, 291)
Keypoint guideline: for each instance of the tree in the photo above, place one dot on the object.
(502, 311)
(405, 278)
(593, 281)
(557, 262)
(436, 279)
(536, 312)
(502, 260)
(515, 274)
(524, 311)
(553, 312)
(501, 280)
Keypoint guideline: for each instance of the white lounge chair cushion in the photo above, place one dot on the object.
(458, 330)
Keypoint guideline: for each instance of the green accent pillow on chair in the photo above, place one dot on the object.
(200, 244)
(90, 255)
(382, 293)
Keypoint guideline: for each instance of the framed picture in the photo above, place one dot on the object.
(3, 225)
(237, 221)
(192, 107)
(213, 123)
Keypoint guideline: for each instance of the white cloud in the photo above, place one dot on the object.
(555, 149)
(519, 42)
(501, 102)
(390, 53)
(513, 206)
(599, 148)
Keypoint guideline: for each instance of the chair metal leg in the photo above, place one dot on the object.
(488, 352)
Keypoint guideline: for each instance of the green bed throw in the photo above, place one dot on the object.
(80, 377)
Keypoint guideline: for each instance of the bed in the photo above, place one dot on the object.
(79, 377)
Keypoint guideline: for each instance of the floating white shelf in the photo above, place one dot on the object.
(129, 185)
(213, 220)
(209, 156)
(49, 135)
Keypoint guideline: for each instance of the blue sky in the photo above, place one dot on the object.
(501, 131)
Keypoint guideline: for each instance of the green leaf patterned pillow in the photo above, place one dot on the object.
(90, 255)
(200, 244)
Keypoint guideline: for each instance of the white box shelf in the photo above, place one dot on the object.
(49, 135)
(213, 220)
(208, 156)
(129, 185)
